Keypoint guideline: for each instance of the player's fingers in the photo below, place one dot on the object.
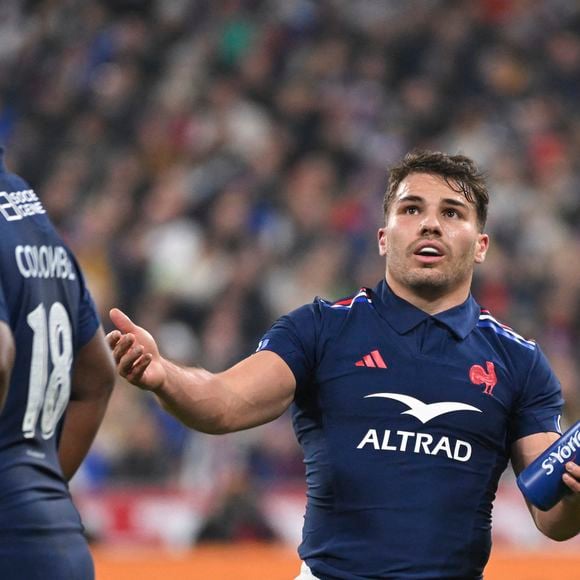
(113, 338)
(127, 361)
(123, 345)
(571, 482)
(139, 368)
(572, 477)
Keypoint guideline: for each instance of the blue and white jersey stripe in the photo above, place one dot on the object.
(486, 320)
(347, 303)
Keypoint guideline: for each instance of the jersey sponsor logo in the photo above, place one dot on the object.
(488, 378)
(421, 443)
(425, 412)
(44, 262)
(372, 360)
(17, 205)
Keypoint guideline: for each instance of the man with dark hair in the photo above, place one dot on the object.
(459, 172)
(56, 376)
(408, 399)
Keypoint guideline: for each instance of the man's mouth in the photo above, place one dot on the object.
(429, 253)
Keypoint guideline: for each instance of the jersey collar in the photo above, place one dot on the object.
(404, 317)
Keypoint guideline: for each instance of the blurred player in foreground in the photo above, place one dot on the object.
(56, 376)
(408, 399)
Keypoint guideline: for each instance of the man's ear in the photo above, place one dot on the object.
(481, 248)
(382, 240)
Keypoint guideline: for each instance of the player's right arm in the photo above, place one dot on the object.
(255, 391)
(7, 352)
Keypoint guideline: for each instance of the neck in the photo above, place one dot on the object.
(428, 298)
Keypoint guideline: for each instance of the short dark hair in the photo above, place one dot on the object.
(458, 171)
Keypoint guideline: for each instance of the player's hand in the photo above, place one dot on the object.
(135, 352)
(571, 478)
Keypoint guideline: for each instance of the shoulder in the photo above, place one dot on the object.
(524, 360)
(490, 325)
(322, 316)
(348, 314)
(322, 308)
(19, 203)
(361, 297)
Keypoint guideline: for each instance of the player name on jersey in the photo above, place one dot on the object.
(44, 262)
(16, 205)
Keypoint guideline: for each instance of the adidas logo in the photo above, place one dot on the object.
(373, 360)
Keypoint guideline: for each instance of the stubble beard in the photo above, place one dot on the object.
(425, 282)
(431, 282)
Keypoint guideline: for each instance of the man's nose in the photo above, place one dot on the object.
(430, 224)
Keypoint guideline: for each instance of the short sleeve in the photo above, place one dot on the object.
(540, 404)
(294, 338)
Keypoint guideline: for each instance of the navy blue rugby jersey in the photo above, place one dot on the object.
(406, 422)
(44, 300)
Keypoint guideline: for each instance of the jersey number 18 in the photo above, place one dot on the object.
(52, 336)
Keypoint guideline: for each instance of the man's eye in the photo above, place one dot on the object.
(451, 213)
(411, 210)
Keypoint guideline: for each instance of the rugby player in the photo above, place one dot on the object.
(408, 399)
(56, 376)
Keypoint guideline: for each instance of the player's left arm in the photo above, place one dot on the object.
(93, 378)
(562, 522)
(7, 352)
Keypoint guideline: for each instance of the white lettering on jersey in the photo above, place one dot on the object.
(16, 205)
(421, 443)
(44, 262)
(425, 411)
(562, 453)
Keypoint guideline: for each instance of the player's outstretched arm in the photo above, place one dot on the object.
(562, 522)
(6, 360)
(255, 391)
(93, 378)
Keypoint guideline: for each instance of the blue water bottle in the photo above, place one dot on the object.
(541, 482)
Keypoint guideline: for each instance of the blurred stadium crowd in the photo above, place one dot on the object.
(216, 164)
